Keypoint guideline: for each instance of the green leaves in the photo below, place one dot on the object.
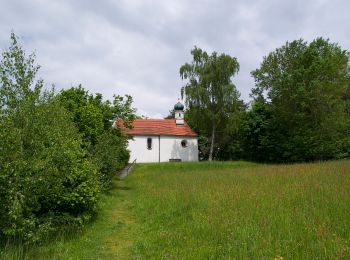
(105, 147)
(56, 151)
(41, 160)
(122, 109)
(303, 86)
(17, 75)
(211, 97)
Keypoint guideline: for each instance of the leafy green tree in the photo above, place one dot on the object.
(229, 145)
(87, 112)
(211, 97)
(122, 109)
(104, 145)
(256, 135)
(45, 181)
(303, 87)
(17, 75)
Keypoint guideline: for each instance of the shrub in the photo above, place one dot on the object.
(45, 178)
(110, 155)
(104, 145)
(46, 181)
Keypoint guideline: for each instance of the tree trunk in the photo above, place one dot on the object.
(212, 144)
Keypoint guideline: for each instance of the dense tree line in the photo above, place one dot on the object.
(301, 91)
(58, 151)
(300, 108)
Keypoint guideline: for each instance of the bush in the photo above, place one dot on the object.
(110, 156)
(104, 145)
(46, 181)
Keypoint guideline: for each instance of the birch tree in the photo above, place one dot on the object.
(210, 94)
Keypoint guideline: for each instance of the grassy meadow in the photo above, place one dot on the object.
(219, 210)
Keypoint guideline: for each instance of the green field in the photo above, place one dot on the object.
(216, 210)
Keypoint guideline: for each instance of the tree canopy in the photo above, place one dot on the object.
(57, 151)
(302, 87)
(211, 97)
(94, 117)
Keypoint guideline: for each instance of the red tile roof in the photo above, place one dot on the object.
(157, 127)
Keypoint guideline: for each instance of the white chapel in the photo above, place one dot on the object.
(162, 140)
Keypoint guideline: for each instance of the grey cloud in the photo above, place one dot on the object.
(136, 47)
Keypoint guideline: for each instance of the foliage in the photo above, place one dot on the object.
(122, 109)
(45, 181)
(105, 146)
(104, 238)
(89, 113)
(110, 154)
(299, 112)
(203, 148)
(255, 133)
(211, 97)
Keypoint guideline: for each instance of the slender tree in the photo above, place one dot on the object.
(209, 92)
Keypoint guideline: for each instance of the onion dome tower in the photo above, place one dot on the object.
(179, 113)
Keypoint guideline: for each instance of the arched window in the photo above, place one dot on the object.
(149, 143)
(184, 143)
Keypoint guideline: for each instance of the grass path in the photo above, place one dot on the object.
(119, 242)
(110, 236)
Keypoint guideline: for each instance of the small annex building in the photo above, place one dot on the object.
(162, 140)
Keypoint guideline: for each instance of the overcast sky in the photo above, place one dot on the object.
(136, 47)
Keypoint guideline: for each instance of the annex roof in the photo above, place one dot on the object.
(158, 127)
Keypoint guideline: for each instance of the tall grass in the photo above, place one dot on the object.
(218, 210)
(228, 210)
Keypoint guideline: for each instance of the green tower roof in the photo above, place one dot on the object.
(179, 106)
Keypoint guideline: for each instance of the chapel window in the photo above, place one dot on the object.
(149, 143)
